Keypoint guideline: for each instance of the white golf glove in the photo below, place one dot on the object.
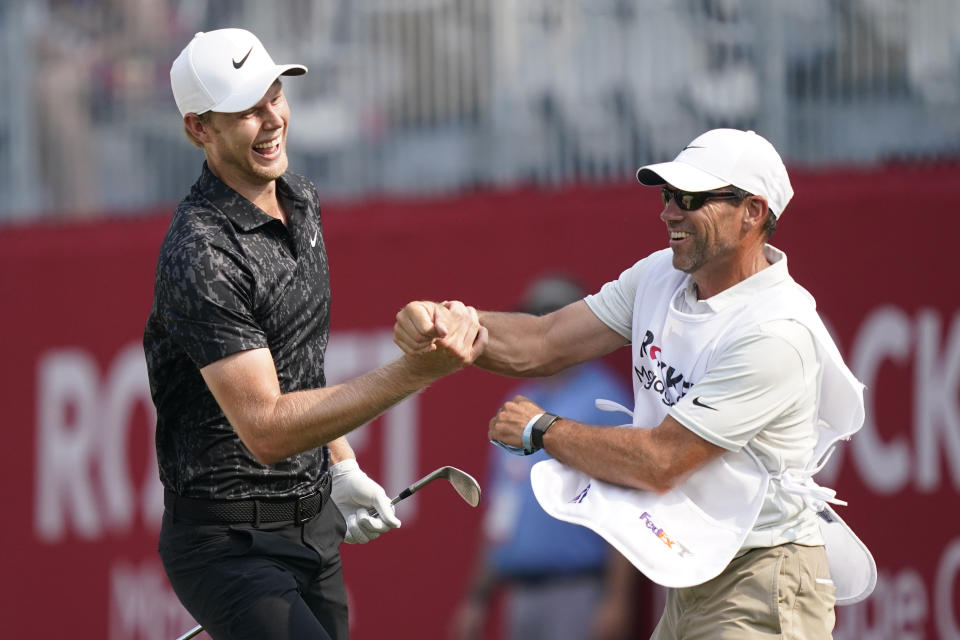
(355, 493)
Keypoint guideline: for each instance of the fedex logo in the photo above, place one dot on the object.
(664, 538)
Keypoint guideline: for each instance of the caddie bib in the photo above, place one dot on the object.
(689, 535)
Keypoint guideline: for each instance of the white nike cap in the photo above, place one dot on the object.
(226, 70)
(723, 157)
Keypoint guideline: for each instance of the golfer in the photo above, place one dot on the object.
(260, 484)
(729, 363)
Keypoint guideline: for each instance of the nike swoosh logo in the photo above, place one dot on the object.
(693, 146)
(313, 240)
(697, 402)
(237, 65)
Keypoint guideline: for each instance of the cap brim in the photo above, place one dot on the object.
(255, 89)
(680, 175)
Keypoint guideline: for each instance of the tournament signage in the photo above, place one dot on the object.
(80, 486)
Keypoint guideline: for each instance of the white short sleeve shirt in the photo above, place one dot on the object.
(769, 383)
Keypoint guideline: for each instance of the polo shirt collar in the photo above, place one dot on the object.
(773, 275)
(243, 213)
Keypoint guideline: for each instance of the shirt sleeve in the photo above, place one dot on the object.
(204, 295)
(750, 385)
(613, 304)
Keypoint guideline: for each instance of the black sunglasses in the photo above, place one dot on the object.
(693, 200)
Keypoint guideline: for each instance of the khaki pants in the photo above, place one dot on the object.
(776, 592)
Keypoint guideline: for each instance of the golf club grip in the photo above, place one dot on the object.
(406, 493)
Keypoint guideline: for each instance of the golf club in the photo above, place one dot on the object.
(464, 484)
(192, 633)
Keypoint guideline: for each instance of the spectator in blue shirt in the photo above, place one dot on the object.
(557, 576)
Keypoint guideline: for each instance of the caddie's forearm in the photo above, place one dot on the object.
(618, 455)
(515, 346)
(527, 346)
(656, 459)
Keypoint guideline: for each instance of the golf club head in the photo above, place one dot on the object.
(463, 483)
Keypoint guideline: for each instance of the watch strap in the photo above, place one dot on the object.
(540, 428)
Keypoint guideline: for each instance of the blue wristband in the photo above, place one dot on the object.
(517, 451)
(528, 447)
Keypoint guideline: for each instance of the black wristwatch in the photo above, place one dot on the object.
(540, 428)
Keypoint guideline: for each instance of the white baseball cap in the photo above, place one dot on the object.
(226, 70)
(722, 157)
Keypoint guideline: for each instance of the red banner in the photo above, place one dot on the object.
(80, 486)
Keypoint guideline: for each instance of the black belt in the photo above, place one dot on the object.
(253, 511)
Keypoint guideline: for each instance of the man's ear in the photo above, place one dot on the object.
(197, 127)
(756, 213)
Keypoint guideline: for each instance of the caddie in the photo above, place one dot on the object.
(739, 395)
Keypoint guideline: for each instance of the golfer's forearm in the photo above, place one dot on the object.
(340, 450)
(302, 420)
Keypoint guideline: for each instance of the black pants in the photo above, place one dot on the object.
(278, 581)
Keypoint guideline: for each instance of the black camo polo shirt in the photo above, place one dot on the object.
(230, 278)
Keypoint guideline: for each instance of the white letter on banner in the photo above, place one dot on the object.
(142, 604)
(66, 445)
(936, 415)
(400, 444)
(125, 387)
(909, 606)
(885, 467)
(943, 592)
(353, 353)
(897, 609)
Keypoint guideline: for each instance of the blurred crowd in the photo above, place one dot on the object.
(424, 96)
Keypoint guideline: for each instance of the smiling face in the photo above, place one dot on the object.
(250, 147)
(705, 238)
